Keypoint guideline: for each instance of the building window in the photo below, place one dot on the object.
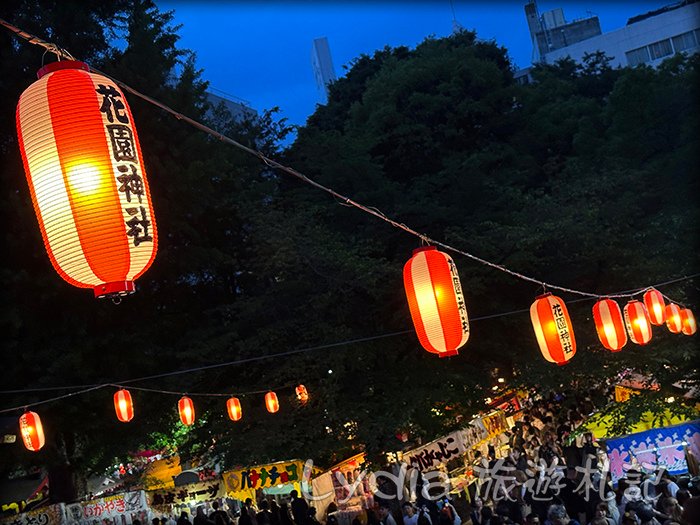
(683, 41)
(660, 49)
(637, 56)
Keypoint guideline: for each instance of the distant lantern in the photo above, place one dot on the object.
(637, 322)
(688, 321)
(609, 324)
(31, 430)
(186, 409)
(553, 329)
(673, 318)
(656, 307)
(233, 407)
(123, 406)
(436, 301)
(271, 402)
(302, 394)
(87, 179)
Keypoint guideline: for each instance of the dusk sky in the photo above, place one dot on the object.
(261, 51)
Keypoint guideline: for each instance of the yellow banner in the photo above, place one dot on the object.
(190, 493)
(622, 393)
(245, 482)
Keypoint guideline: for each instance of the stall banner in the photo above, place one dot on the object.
(474, 434)
(495, 423)
(190, 493)
(51, 515)
(436, 452)
(653, 449)
(125, 507)
(261, 477)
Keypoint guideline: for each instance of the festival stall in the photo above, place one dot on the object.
(347, 485)
(48, 515)
(118, 509)
(273, 479)
(172, 501)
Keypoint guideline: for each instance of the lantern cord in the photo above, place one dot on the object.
(32, 39)
(25, 406)
(206, 394)
(291, 171)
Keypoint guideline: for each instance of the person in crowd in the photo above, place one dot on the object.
(218, 515)
(385, 516)
(285, 518)
(264, 517)
(671, 511)
(601, 514)
(487, 516)
(476, 510)
(275, 513)
(183, 519)
(200, 518)
(372, 517)
(532, 519)
(557, 515)
(248, 513)
(410, 516)
(311, 517)
(300, 509)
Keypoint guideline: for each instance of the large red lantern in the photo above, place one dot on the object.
(31, 430)
(302, 394)
(637, 322)
(688, 321)
(553, 329)
(609, 324)
(656, 307)
(436, 301)
(673, 318)
(86, 178)
(123, 406)
(185, 407)
(271, 402)
(233, 407)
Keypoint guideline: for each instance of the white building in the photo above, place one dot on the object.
(322, 64)
(240, 109)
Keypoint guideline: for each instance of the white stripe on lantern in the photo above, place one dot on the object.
(608, 325)
(425, 296)
(539, 333)
(51, 194)
(141, 254)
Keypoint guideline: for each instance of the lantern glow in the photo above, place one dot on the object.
(32, 431)
(553, 329)
(637, 322)
(688, 321)
(609, 324)
(86, 178)
(656, 307)
(123, 406)
(436, 301)
(302, 394)
(271, 402)
(185, 408)
(673, 318)
(233, 407)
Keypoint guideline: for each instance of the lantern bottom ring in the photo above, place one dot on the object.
(114, 289)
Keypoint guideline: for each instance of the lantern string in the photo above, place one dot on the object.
(208, 394)
(291, 171)
(25, 406)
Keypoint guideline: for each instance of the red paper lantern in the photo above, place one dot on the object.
(609, 324)
(637, 322)
(186, 409)
(31, 430)
(233, 407)
(656, 307)
(436, 301)
(688, 321)
(553, 329)
(87, 179)
(302, 394)
(123, 406)
(673, 318)
(271, 402)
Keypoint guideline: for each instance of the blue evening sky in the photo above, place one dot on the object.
(261, 51)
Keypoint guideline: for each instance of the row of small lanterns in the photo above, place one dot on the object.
(32, 431)
(439, 313)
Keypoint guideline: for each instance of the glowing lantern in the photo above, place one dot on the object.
(302, 394)
(656, 307)
(688, 320)
(637, 322)
(186, 409)
(673, 318)
(436, 301)
(233, 407)
(31, 430)
(86, 178)
(271, 402)
(609, 324)
(552, 325)
(123, 406)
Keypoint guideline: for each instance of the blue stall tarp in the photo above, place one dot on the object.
(652, 449)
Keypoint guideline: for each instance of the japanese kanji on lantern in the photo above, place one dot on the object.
(31, 430)
(609, 324)
(436, 301)
(185, 408)
(87, 179)
(637, 322)
(233, 407)
(553, 329)
(302, 394)
(271, 402)
(123, 405)
(655, 305)
(673, 318)
(688, 322)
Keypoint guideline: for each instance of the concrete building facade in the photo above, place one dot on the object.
(322, 64)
